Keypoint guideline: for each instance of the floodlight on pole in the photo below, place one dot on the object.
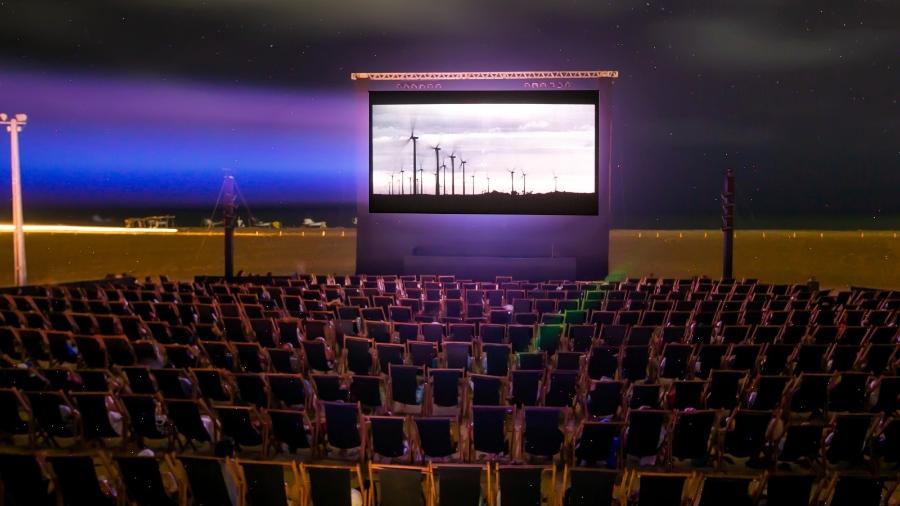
(14, 126)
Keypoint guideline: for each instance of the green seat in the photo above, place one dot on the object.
(549, 337)
(575, 317)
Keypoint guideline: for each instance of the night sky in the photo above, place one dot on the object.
(143, 102)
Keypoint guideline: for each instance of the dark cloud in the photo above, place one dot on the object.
(797, 95)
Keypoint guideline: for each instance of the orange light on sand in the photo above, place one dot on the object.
(82, 229)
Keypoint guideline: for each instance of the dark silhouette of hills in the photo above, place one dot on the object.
(487, 203)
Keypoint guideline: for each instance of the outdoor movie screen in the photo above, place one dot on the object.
(483, 152)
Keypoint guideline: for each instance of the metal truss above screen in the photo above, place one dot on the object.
(481, 76)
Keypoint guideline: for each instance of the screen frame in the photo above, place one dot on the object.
(543, 96)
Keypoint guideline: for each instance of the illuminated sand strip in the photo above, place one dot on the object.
(83, 229)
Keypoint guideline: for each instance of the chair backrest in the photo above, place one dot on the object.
(290, 427)
(603, 362)
(48, 408)
(95, 417)
(458, 484)
(561, 389)
(266, 482)
(25, 480)
(367, 390)
(207, 481)
(526, 387)
(342, 424)
(445, 387)
(329, 387)
(241, 423)
(77, 480)
(389, 354)
(661, 489)
(543, 436)
(789, 489)
(288, 389)
(857, 490)
(589, 487)
(186, 416)
(692, 434)
(532, 361)
(458, 354)
(404, 383)
(328, 485)
(734, 490)
(435, 436)
(599, 443)
(849, 437)
(388, 436)
(398, 486)
(316, 357)
(521, 337)
(491, 428)
(486, 390)
(747, 437)
(359, 358)
(520, 485)
(143, 481)
(644, 428)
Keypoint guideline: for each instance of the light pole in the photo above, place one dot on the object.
(14, 126)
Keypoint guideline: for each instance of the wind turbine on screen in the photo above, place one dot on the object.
(437, 168)
(523, 182)
(421, 189)
(453, 173)
(463, 163)
(512, 183)
(414, 139)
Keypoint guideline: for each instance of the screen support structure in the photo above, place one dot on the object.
(480, 246)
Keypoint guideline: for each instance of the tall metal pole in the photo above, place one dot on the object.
(523, 183)
(228, 207)
(728, 225)
(512, 183)
(14, 126)
(444, 167)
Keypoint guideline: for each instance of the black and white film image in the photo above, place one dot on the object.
(486, 158)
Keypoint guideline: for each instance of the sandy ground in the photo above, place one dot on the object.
(836, 259)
